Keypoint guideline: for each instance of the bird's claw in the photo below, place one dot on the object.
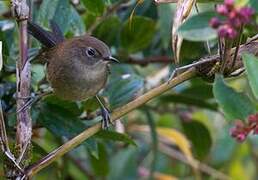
(106, 122)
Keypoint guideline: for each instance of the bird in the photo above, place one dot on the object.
(76, 68)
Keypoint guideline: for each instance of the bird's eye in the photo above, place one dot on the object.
(91, 52)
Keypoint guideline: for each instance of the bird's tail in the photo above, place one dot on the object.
(46, 38)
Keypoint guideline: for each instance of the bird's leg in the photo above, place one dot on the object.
(178, 69)
(32, 99)
(105, 114)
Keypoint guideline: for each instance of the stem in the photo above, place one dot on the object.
(237, 46)
(116, 114)
(23, 75)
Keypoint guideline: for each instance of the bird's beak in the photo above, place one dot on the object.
(112, 59)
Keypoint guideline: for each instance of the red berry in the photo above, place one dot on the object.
(215, 22)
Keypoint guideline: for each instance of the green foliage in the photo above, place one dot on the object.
(235, 105)
(95, 7)
(251, 64)
(134, 36)
(200, 137)
(197, 28)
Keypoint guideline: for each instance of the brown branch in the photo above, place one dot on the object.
(148, 60)
(20, 10)
(203, 167)
(116, 114)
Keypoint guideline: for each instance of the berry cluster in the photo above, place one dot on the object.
(241, 130)
(235, 18)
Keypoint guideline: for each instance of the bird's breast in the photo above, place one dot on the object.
(75, 81)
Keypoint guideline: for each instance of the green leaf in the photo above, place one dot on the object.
(189, 100)
(234, 105)
(95, 7)
(137, 34)
(122, 88)
(62, 14)
(195, 131)
(111, 27)
(63, 123)
(76, 23)
(100, 165)
(115, 136)
(254, 5)
(124, 164)
(197, 28)
(165, 21)
(251, 65)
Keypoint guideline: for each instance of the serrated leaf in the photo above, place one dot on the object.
(197, 28)
(95, 7)
(195, 131)
(137, 34)
(115, 136)
(234, 105)
(251, 65)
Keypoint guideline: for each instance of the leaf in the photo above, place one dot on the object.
(62, 14)
(100, 165)
(195, 131)
(173, 137)
(115, 136)
(197, 28)
(251, 65)
(188, 100)
(164, 21)
(76, 23)
(177, 138)
(124, 164)
(234, 105)
(254, 5)
(134, 37)
(111, 27)
(63, 123)
(182, 12)
(95, 7)
(122, 88)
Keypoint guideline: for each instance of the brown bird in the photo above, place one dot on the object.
(77, 68)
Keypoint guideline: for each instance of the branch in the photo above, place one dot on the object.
(147, 60)
(203, 167)
(20, 10)
(116, 114)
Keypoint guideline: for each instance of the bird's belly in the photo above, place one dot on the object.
(74, 86)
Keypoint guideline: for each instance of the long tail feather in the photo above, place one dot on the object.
(44, 37)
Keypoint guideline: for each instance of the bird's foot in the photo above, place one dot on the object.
(32, 99)
(106, 122)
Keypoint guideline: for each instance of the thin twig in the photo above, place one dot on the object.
(203, 167)
(148, 60)
(237, 46)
